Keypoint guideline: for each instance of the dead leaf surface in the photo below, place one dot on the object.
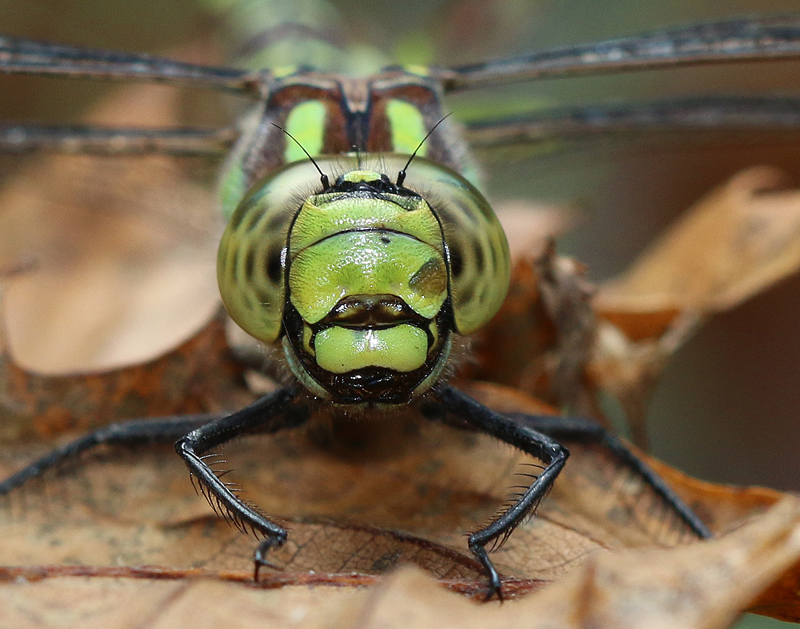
(122, 250)
(707, 585)
(199, 376)
(405, 493)
(617, 338)
(692, 587)
(735, 242)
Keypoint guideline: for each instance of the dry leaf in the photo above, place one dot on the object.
(547, 312)
(528, 226)
(619, 337)
(405, 493)
(735, 242)
(198, 376)
(122, 250)
(697, 587)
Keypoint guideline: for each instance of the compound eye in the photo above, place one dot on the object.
(251, 258)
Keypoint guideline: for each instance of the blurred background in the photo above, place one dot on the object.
(728, 406)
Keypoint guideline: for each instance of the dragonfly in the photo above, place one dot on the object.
(366, 280)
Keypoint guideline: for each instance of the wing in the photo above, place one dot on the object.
(713, 42)
(726, 113)
(26, 56)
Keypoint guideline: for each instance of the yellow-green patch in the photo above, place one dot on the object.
(367, 263)
(306, 123)
(407, 127)
(328, 214)
(402, 348)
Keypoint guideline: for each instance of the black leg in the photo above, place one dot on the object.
(271, 413)
(133, 432)
(586, 430)
(526, 439)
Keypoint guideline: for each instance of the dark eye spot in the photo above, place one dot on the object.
(237, 218)
(254, 218)
(264, 298)
(467, 296)
(385, 240)
(249, 265)
(478, 258)
(274, 224)
(456, 261)
(274, 267)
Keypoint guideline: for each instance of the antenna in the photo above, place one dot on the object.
(401, 176)
(357, 151)
(322, 176)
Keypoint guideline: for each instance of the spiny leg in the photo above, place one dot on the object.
(271, 413)
(586, 430)
(520, 436)
(128, 433)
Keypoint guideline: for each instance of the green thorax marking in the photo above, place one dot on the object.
(306, 123)
(407, 127)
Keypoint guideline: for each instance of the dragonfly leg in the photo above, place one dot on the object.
(587, 430)
(128, 433)
(526, 439)
(271, 413)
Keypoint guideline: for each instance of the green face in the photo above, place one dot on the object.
(361, 282)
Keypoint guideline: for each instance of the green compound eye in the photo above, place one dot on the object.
(364, 278)
(250, 262)
(479, 259)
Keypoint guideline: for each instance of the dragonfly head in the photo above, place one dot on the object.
(359, 283)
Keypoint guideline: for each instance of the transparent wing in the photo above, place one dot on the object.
(25, 56)
(724, 113)
(713, 42)
(94, 140)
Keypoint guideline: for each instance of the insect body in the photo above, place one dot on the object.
(362, 263)
(365, 279)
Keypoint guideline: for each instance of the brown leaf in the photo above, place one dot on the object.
(123, 249)
(733, 243)
(548, 313)
(405, 493)
(528, 226)
(198, 376)
(689, 587)
(192, 603)
(618, 338)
